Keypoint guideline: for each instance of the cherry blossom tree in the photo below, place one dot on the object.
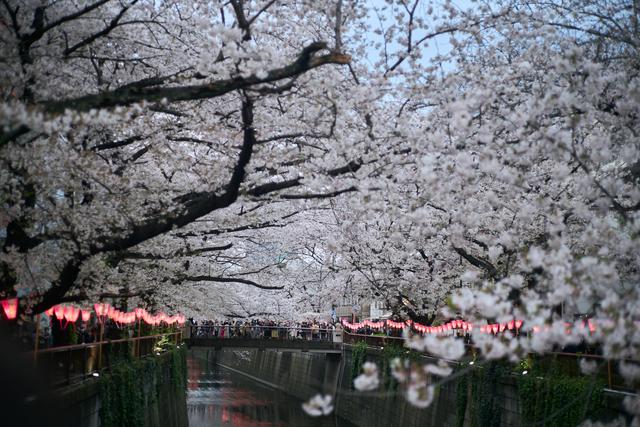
(525, 147)
(125, 120)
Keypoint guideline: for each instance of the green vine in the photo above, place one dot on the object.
(461, 399)
(389, 353)
(484, 406)
(358, 357)
(179, 368)
(559, 399)
(122, 390)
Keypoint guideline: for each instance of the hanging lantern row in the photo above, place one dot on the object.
(449, 326)
(68, 313)
(458, 324)
(395, 325)
(375, 325)
(104, 310)
(452, 325)
(495, 328)
(71, 314)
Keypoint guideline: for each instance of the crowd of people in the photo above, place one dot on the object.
(309, 329)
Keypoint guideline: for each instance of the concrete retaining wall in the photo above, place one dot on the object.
(299, 374)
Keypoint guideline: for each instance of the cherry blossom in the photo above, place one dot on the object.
(318, 405)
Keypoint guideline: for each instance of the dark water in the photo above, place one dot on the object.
(218, 397)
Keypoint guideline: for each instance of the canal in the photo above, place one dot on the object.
(218, 397)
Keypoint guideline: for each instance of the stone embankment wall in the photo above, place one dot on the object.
(304, 374)
(141, 393)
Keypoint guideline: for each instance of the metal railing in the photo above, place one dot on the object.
(73, 363)
(261, 332)
(607, 371)
(372, 340)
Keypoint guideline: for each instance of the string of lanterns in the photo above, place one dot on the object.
(493, 328)
(103, 311)
(449, 326)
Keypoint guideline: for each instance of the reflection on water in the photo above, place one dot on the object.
(217, 397)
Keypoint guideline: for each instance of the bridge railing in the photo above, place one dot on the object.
(372, 340)
(72, 363)
(262, 332)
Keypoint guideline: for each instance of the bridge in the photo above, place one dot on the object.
(313, 340)
(325, 346)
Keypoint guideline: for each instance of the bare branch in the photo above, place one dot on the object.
(228, 280)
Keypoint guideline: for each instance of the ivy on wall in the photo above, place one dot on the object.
(358, 357)
(122, 389)
(548, 396)
(559, 400)
(389, 352)
(484, 405)
(461, 399)
(479, 394)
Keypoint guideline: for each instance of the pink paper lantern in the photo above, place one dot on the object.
(59, 312)
(518, 324)
(10, 307)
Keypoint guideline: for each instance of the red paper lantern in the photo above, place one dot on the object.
(494, 328)
(10, 307)
(98, 309)
(49, 312)
(518, 324)
(503, 326)
(59, 312)
(86, 315)
(511, 324)
(592, 325)
(71, 313)
(102, 309)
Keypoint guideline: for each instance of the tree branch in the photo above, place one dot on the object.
(125, 96)
(228, 280)
(478, 262)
